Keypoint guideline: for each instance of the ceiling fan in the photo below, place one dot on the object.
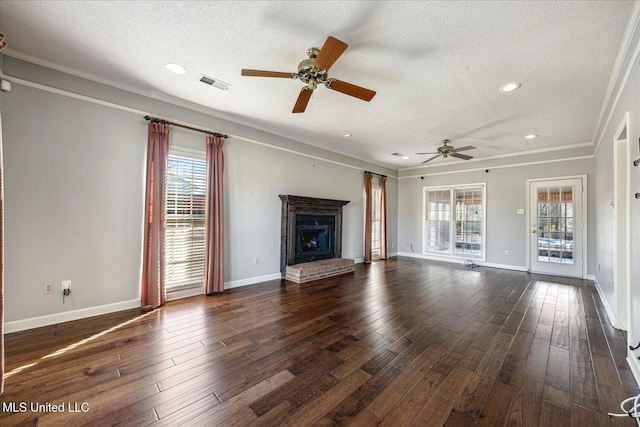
(313, 71)
(449, 150)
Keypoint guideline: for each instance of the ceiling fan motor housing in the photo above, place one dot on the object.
(311, 75)
(445, 149)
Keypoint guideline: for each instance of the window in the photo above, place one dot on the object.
(555, 225)
(438, 216)
(184, 221)
(376, 194)
(454, 221)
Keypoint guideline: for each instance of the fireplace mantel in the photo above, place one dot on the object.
(292, 206)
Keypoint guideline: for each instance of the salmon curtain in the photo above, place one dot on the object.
(383, 218)
(1, 266)
(214, 217)
(152, 288)
(368, 189)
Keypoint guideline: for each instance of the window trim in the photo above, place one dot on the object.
(452, 221)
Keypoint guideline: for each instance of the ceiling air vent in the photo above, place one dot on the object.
(214, 82)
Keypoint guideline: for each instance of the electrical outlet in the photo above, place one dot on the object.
(506, 252)
(66, 284)
(48, 288)
(256, 260)
(393, 246)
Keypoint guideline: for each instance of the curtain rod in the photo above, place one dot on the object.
(166, 122)
(373, 173)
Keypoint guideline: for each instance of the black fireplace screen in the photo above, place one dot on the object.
(315, 237)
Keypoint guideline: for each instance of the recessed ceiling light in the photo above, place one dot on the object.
(531, 136)
(510, 87)
(176, 68)
(346, 135)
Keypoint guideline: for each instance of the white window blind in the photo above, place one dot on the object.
(184, 222)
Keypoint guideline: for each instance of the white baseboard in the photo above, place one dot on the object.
(504, 266)
(461, 261)
(172, 296)
(634, 365)
(612, 318)
(265, 278)
(252, 280)
(67, 316)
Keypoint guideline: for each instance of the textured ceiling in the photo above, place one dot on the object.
(436, 66)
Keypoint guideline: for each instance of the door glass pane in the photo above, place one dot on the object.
(555, 225)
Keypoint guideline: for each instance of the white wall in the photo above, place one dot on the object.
(626, 100)
(74, 160)
(73, 196)
(256, 175)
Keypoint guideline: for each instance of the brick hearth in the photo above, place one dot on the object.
(315, 270)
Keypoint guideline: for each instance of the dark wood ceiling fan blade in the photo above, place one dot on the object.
(460, 156)
(352, 90)
(261, 73)
(303, 100)
(463, 149)
(329, 54)
(428, 160)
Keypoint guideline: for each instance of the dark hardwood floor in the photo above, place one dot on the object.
(397, 343)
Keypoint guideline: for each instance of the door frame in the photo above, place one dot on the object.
(621, 206)
(584, 225)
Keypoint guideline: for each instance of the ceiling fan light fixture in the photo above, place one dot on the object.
(531, 136)
(510, 87)
(176, 68)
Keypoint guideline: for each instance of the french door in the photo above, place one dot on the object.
(556, 227)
